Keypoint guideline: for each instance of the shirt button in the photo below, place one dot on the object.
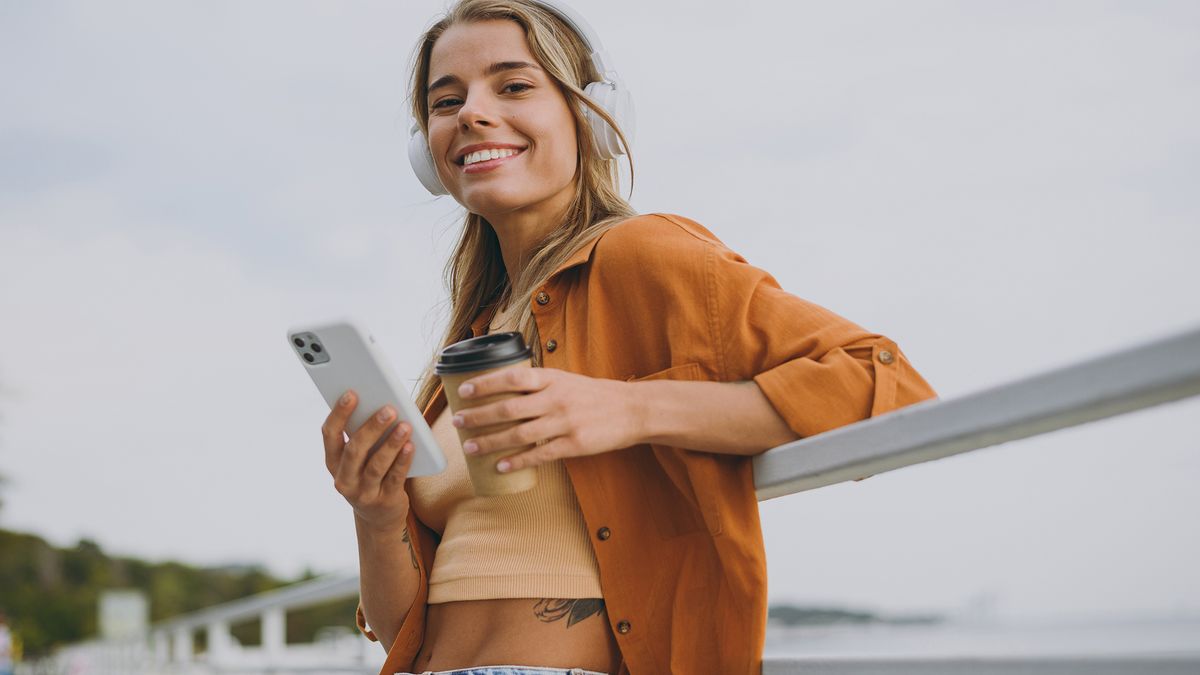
(885, 357)
(623, 627)
(603, 533)
(543, 298)
(551, 345)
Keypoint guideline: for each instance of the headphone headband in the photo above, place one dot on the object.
(599, 57)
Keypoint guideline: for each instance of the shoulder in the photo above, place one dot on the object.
(658, 244)
(658, 229)
(662, 260)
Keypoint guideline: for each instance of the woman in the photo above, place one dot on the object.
(667, 363)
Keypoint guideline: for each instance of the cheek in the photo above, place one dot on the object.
(563, 149)
(439, 143)
(440, 140)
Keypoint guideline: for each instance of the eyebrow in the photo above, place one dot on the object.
(498, 67)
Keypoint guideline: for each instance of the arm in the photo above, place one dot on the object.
(729, 418)
(745, 418)
(388, 579)
(383, 519)
(801, 397)
(814, 369)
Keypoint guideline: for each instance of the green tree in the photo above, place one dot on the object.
(51, 593)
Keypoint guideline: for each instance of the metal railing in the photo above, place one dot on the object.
(170, 646)
(1132, 379)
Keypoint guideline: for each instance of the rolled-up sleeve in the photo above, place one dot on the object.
(846, 384)
(819, 370)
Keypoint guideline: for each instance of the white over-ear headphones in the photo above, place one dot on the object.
(609, 93)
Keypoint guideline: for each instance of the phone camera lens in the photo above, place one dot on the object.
(316, 348)
(309, 358)
(298, 341)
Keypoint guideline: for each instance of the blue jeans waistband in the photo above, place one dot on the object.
(509, 670)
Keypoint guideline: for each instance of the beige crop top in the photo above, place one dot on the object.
(532, 544)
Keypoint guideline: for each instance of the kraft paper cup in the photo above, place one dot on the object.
(464, 360)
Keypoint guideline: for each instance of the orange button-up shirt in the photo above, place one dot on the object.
(681, 557)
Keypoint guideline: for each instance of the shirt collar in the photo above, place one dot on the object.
(481, 321)
(579, 257)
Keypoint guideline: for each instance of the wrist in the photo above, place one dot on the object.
(638, 412)
(381, 530)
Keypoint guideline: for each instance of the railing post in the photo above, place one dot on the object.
(274, 633)
(220, 642)
(183, 645)
(161, 647)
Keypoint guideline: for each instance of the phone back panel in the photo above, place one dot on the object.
(348, 358)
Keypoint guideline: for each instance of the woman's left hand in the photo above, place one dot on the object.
(571, 415)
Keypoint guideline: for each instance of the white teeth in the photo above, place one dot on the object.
(484, 155)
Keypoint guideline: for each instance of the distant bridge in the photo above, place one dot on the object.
(1140, 377)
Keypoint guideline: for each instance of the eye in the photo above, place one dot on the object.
(522, 86)
(445, 103)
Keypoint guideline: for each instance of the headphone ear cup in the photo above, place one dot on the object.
(422, 163)
(619, 104)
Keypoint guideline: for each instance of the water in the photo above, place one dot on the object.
(1058, 638)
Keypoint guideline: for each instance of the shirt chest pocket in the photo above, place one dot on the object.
(684, 371)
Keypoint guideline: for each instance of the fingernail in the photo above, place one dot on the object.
(457, 420)
(503, 466)
(466, 390)
(385, 414)
(470, 447)
(346, 398)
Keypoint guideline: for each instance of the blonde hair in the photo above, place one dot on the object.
(475, 274)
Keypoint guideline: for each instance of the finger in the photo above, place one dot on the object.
(381, 460)
(398, 472)
(521, 380)
(361, 442)
(511, 409)
(527, 433)
(334, 426)
(541, 454)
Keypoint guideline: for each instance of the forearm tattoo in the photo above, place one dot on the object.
(548, 610)
(412, 553)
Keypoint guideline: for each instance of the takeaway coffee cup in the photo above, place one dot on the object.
(460, 362)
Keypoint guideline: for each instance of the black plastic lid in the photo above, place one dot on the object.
(482, 353)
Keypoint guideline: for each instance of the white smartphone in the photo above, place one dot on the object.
(341, 355)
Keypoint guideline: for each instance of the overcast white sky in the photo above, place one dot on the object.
(1002, 188)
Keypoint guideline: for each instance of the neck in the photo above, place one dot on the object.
(521, 230)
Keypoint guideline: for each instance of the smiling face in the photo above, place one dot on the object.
(500, 131)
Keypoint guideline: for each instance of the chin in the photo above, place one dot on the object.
(487, 201)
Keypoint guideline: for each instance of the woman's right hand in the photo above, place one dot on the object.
(374, 484)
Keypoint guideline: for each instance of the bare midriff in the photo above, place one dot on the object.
(523, 631)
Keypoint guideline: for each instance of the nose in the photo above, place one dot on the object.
(476, 111)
